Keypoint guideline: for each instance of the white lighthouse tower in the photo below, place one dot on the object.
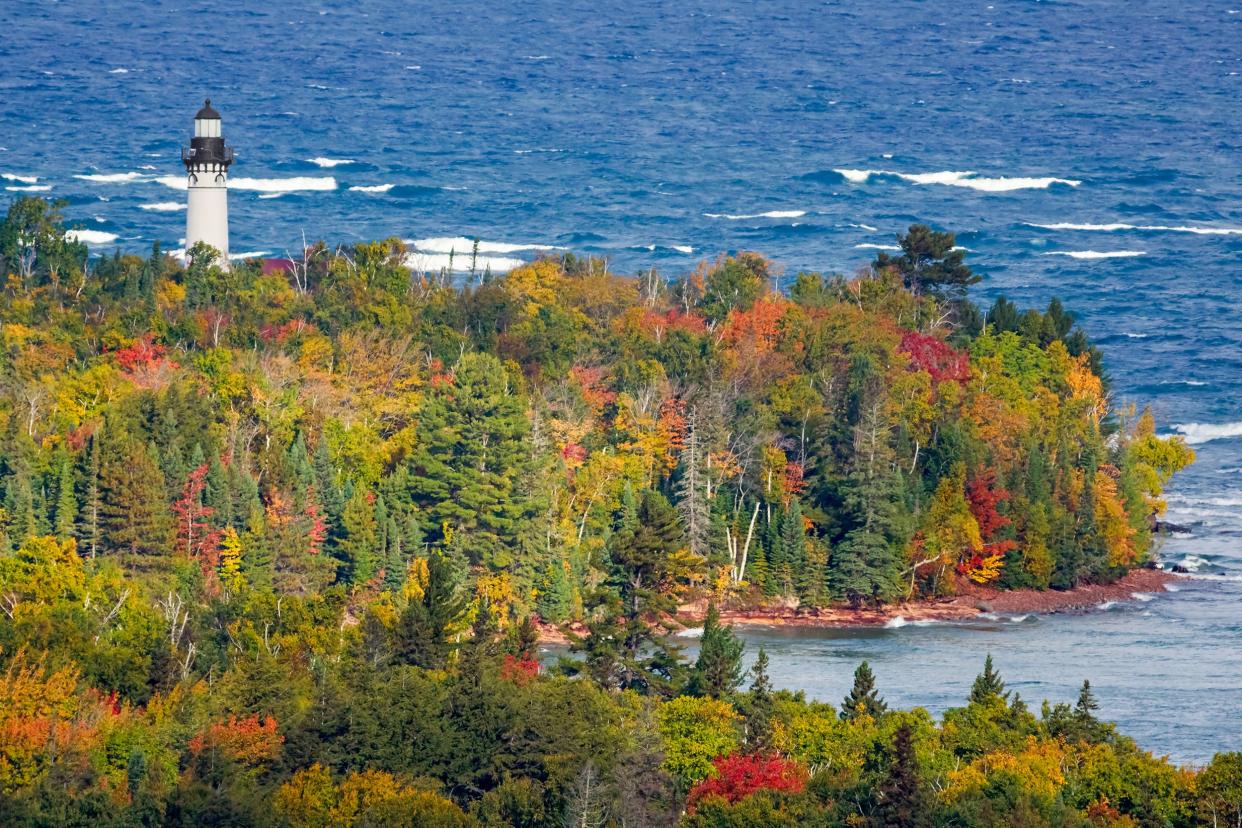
(207, 162)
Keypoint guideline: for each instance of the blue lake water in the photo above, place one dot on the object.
(1090, 150)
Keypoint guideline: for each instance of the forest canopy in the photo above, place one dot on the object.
(239, 502)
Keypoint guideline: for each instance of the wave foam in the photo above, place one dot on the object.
(1142, 596)
(691, 632)
(111, 178)
(683, 248)
(30, 188)
(90, 236)
(774, 214)
(1206, 432)
(251, 254)
(876, 247)
(1154, 228)
(320, 161)
(434, 262)
(1097, 254)
(372, 188)
(164, 206)
(895, 623)
(462, 246)
(25, 179)
(967, 178)
(261, 185)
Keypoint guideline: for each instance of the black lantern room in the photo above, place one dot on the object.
(207, 152)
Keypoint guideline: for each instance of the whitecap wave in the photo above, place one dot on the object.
(1142, 596)
(164, 206)
(119, 71)
(866, 227)
(25, 179)
(262, 185)
(895, 623)
(1130, 335)
(691, 632)
(435, 262)
(1154, 228)
(250, 254)
(1206, 432)
(1172, 588)
(112, 178)
(320, 161)
(683, 248)
(1107, 605)
(462, 246)
(1097, 254)
(1193, 563)
(774, 214)
(372, 188)
(90, 236)
(965, 178)
(876, 247)
(30, 188)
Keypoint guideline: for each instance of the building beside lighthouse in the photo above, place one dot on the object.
(207, 161)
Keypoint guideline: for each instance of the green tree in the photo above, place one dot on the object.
(426, 628)
(467, 467)
(134, 512)
(930, 262)
(863, 698)
(360, 543)
(760, 728)
(718, 670)
(988, 684)
(900, 798)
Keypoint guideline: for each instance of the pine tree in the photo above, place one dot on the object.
(718, 670)
(258, 557)
(863, 698)
(134, 513)
(648, 569)
(759, 708)
(19, 505)
(325, 482)
(361, 538)
(555, 598)
(793, 543)
(425, 629)
(470, 458)
(91, 509)
(66, 500)
(988, 684)
(218, 494)
(900, 799)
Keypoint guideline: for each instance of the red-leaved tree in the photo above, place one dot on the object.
(194, 534)
(740, 775)
(941, 361)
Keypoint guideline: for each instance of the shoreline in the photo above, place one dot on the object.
(972, 603)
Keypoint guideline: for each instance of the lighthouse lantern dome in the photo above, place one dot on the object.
(207, 122)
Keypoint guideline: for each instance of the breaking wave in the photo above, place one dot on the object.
(1164, 228)
(112, 178)
(774, 214)
(462, 246)
(25, 179)
(434, 262)
(91, 236)
(961, 179)
(30, 188)
(164, 206)
(1206, 432)
(372, 188)
(1097, 254)
(261, 185)
(320, 161)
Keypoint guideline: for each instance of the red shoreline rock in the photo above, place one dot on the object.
(969, 604)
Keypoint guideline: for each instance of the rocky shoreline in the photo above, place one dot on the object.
(971, 604)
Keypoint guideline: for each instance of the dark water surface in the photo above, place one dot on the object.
(1103, 137)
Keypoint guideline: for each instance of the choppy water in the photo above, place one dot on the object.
(1102, 138)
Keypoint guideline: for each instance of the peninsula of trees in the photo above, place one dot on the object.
(285, 531)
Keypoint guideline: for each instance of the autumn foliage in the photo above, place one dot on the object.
(741, 774)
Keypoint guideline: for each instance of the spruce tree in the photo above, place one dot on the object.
(759, 708)
(988, 684)
(424, 635)
(134, 511)
(718, 670)
(361, 538)
(1087, 704)
(66, 500)
(900, 799)
(863, 698)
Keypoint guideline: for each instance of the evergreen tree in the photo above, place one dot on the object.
(1087, 704)
(863, 698)
(555, 598)
(470, 456)
(424, 635)
(931, 262)
(359, 546)
(91, 511)
(987, 684)
(648, 569)
(218, 494)
(900, 799)
(66, 500)
(134, 513)
(718, 670)
(793, 543)
(759, 708)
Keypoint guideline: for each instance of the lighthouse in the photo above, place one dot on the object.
(207, 162)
